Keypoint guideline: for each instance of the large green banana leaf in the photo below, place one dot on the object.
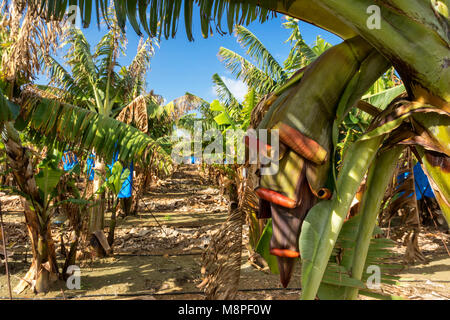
(401, 24)
(8, 110)
(324, 221)
(85, 130)
(161, 17)
(382, 99)
(338, 276)
(263, 248)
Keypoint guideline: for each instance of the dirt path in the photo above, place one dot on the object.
(158, 252)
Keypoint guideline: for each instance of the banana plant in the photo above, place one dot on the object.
(23, 35)
(47, 179)
(75, 206)
(59, 125)
(95, 84)
(301, 54)
(266, 76)
(38, 215)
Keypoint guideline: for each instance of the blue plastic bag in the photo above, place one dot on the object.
(90, 165)
(127, 186)
(423, 188)
(69, 160)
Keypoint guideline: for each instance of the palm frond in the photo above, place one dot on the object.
(80, 59)
(154, 110)
(382, 99)
(292, 24)
(301, 54)
(232, 105)
(43, 91)
(250, 74)
(222, 259)
(224, 94)
(8, 110)
(260, 54)
(181, 105)
(133, 76)
(161, 17)
(60, 125)
(250, 102)
(66, 87)
(337, 276)
(27, 37)
(108, 50)
(187, 122)
(306, 51)
(135, 113)
(164, 15)
(320, 46)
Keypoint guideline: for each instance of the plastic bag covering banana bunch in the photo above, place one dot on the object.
(304, 113)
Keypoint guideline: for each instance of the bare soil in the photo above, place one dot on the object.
(157, 254)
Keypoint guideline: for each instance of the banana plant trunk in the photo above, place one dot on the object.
(97, 211)
(44, 267)
(112, 222)
(73, 212)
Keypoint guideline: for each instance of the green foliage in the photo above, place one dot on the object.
(337, 278)
(250, 101)
(382, 99)
(96, 81)
(8, 110)
(115, 179)
(161, 18)
(47, 180)
(352, 128)
(223, 118)
(48, 176)
(62, 124)
(387, 81)
(223, 92)
(266, 74)
(324, 221)
(243, 69)
(258, 52)
(356, 122)
(263, 248)
(228, 112)
(301, 54)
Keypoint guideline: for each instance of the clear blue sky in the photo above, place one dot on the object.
(180, 66)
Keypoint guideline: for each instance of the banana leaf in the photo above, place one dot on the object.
(56, 123)
(8, 110)
(382, 99)
(323, 223)
(263, 248)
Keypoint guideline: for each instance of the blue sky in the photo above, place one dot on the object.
(180, 66)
